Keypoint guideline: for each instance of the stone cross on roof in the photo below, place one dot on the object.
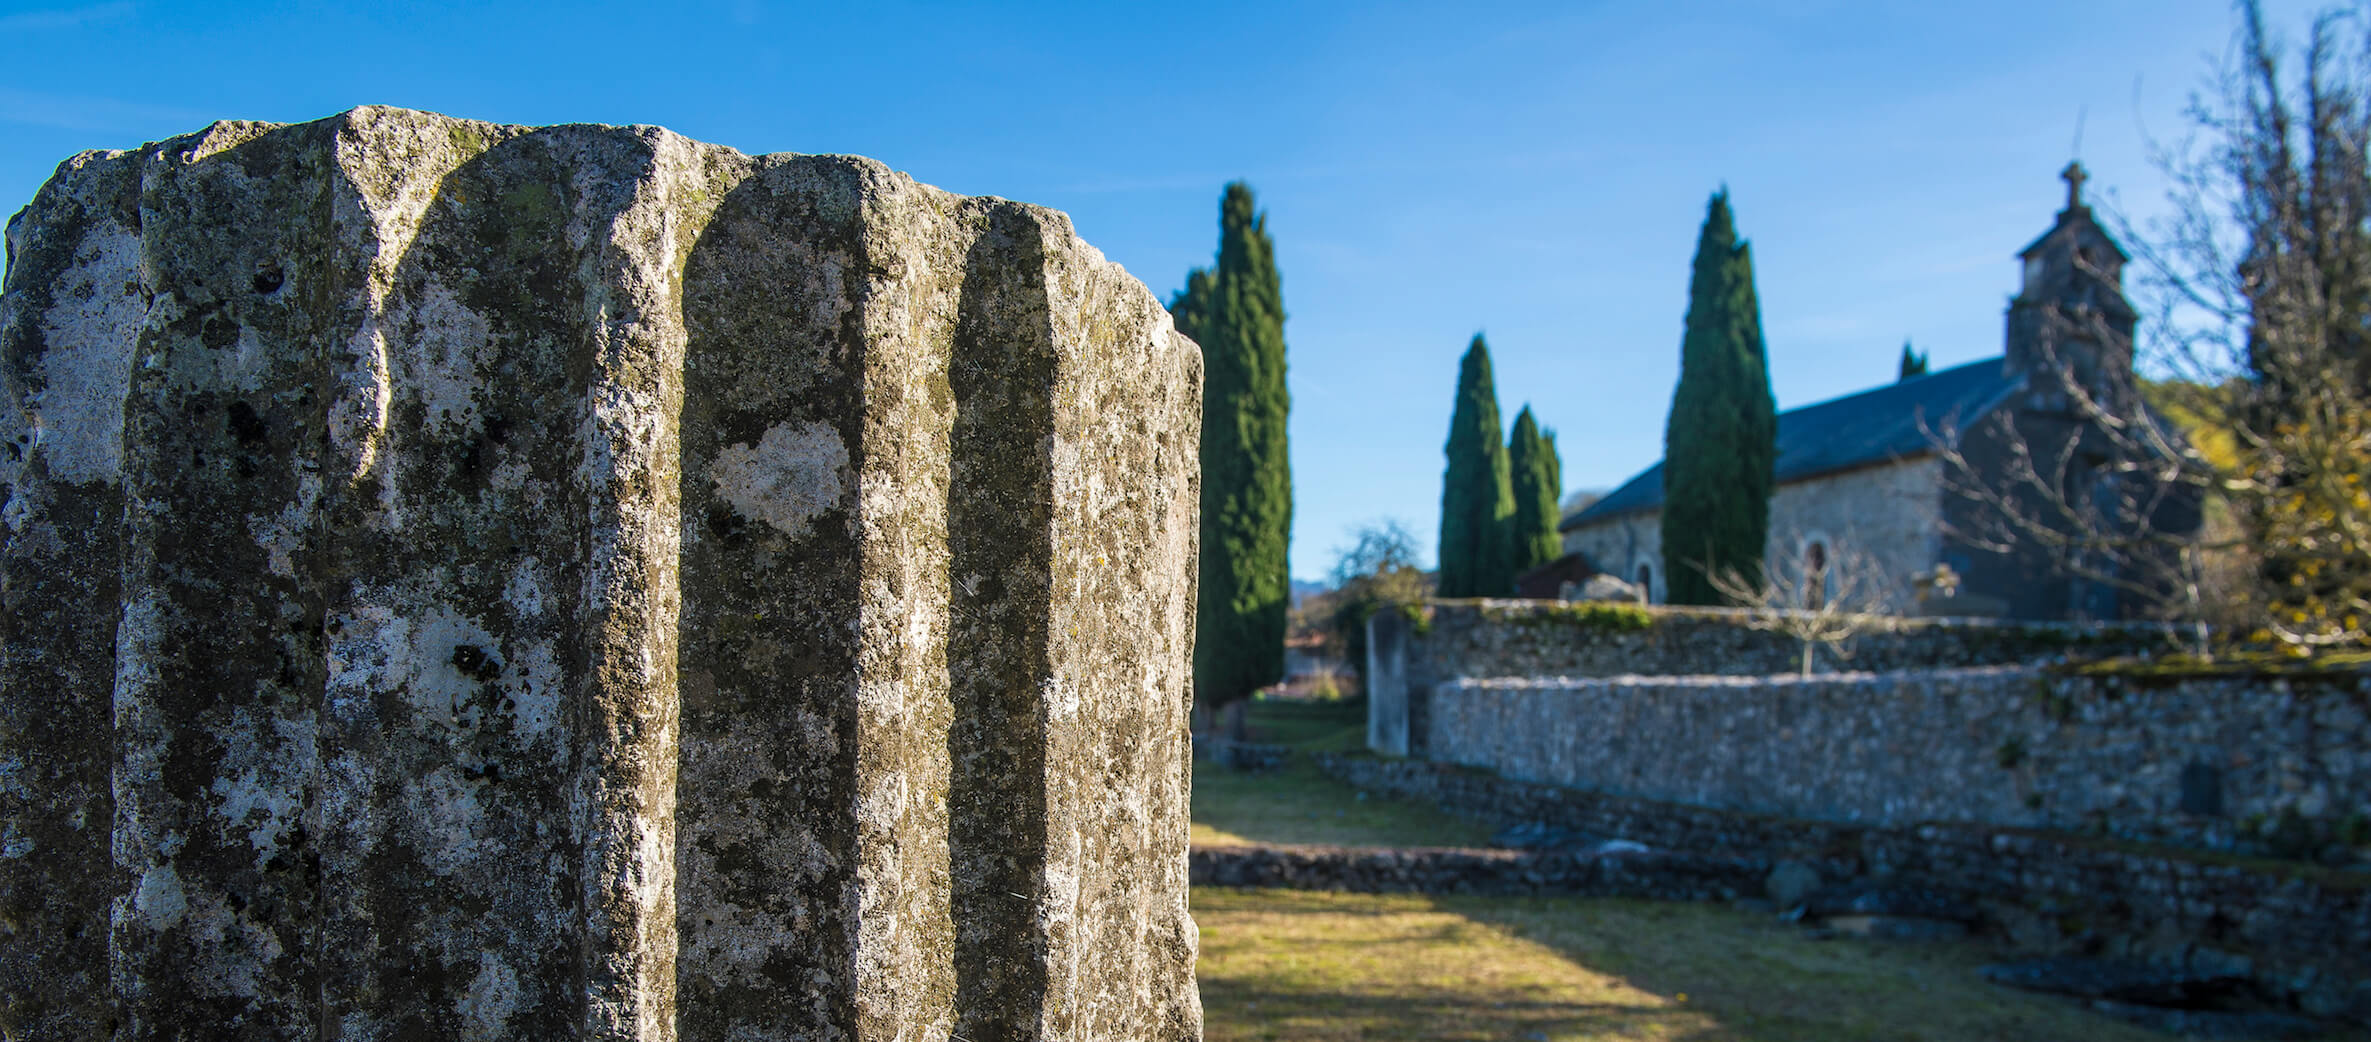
(2075, 177)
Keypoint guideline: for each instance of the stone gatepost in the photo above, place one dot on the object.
(479, 582)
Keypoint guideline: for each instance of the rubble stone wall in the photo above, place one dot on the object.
(2206, 761)
(1412, 653)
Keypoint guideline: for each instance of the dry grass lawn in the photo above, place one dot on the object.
(1280, 964)
(1297, 804)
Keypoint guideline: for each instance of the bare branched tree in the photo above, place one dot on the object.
(2102, 491)
(1377, 572)
(2264, 280)
(1820, 595)
(2257, 293)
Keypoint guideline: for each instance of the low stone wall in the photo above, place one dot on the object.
(1410, 653)
(1661, 875)
(2211, 761)
(1242, 756)
(1486, 796)
(2301, 930)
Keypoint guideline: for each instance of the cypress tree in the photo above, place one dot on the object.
(1532, 462)
(1236, 312)
(1477, 496)
(1913, 363)
(1555, 470)
(1555, 481)
(1190, 308)
(1721, 440)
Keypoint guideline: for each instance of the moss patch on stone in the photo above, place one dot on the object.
(2172, 669)
(1585, 615)
(2335, 880)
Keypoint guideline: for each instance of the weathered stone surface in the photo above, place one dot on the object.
(2237, 1025)
(1452, 870)
(1242, 756)
(1790, 883)
(1863, 898)
(486, 582)
(1408, 659)
(1996, 745)
(1896, 927)
(1539, 835)
(1394, 698)
(1603, 587)
(2118, 981)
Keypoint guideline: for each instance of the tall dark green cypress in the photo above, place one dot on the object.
(1721, 441)
(1236, 312)
(1532, 461)
(1555, 471)
(1190, 308)
(1477, 497)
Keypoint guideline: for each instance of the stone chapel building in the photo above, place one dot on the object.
(1862, 473)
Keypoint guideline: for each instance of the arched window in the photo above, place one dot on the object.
(1646, 582)
(1815, 576)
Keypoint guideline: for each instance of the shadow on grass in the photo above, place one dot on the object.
(1300, 965)
(1297, 965)
(1761, 979)
(1299, 805)
(1283, 1014)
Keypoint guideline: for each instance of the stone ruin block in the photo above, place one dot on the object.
(471, 581)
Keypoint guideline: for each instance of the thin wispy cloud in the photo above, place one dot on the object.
(92, 113)
(68, 18)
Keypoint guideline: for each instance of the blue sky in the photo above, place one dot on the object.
(1534, 172)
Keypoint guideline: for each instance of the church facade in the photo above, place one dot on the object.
(1864, 478)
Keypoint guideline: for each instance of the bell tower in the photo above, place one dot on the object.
(2070, 314)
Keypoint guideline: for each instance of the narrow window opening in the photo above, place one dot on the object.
(1815, 576)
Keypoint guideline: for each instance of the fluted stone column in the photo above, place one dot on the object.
(469, 581)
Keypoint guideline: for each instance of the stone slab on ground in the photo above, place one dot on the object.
(2236, 1025)
(1897, 927)
(2117, 981)
(1537, 835)
(1790, 883)
(1867, 898)
(1454, 870)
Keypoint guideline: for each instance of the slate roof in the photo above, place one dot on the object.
(2086, 218)
(1856, 430)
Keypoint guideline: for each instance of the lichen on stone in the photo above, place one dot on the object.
(494, 582)
(789, 476)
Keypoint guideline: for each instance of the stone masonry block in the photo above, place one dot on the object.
(471, 581)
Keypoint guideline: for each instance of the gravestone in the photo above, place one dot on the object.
(472, 581)
(1388, 683)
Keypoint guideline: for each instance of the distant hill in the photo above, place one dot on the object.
(1304, 588)
(1580, 500)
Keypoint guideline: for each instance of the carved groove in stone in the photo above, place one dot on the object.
(480, 582)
